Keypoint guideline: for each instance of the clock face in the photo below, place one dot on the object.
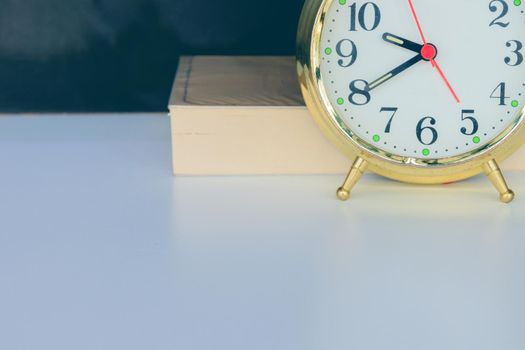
(424, 79)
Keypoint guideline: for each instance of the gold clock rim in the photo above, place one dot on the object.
(406, 169)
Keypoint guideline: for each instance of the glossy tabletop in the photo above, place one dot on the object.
(102, 248)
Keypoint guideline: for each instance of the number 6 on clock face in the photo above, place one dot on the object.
(417, 90)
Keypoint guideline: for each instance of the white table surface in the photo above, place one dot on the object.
(101, 248)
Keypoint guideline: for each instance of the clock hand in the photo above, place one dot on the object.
(402, 42)
(401, 68)
(417, 22)
(447, 83)
(419, 28)
(432, 59)
(428, 51)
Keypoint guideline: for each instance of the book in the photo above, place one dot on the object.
(246, 116)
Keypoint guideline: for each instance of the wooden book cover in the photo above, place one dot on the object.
(246, 116)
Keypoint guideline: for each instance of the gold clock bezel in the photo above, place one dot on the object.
(405, 169)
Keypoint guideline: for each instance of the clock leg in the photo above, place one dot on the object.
(495, 176)
(357, 170)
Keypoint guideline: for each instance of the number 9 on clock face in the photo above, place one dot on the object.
(436, 81)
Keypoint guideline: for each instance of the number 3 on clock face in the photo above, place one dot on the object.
(423, 83)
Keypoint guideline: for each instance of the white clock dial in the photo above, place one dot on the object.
(421, 78)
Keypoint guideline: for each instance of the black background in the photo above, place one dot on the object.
(121, 55)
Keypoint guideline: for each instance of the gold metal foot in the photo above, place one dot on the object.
(495, 176)
(357, 170)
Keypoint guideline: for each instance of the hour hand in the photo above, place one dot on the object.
(401, 42)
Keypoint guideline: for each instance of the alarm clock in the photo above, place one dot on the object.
(419, 91)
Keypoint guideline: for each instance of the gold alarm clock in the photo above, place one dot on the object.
(419, 91)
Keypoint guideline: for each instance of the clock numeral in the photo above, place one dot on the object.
(358, 91)
(346, 49)
(517, 52)
(420, 129)
(467, 114)
(504, 9)
(361, 16)
(499, 94)
(392, 110)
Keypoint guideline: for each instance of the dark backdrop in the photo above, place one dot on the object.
(121, 55)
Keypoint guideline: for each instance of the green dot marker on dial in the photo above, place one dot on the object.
(340, 101)
(426, 152)
(517, 2)
(342, 2)
(328, 51)
(515, 103)
(476, 139)
(376, 138)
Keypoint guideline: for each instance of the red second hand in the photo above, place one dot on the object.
(434, 63)
(419, 28)
(440, 71)
(417, 21)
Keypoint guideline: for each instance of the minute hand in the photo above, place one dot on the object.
(403, 67)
